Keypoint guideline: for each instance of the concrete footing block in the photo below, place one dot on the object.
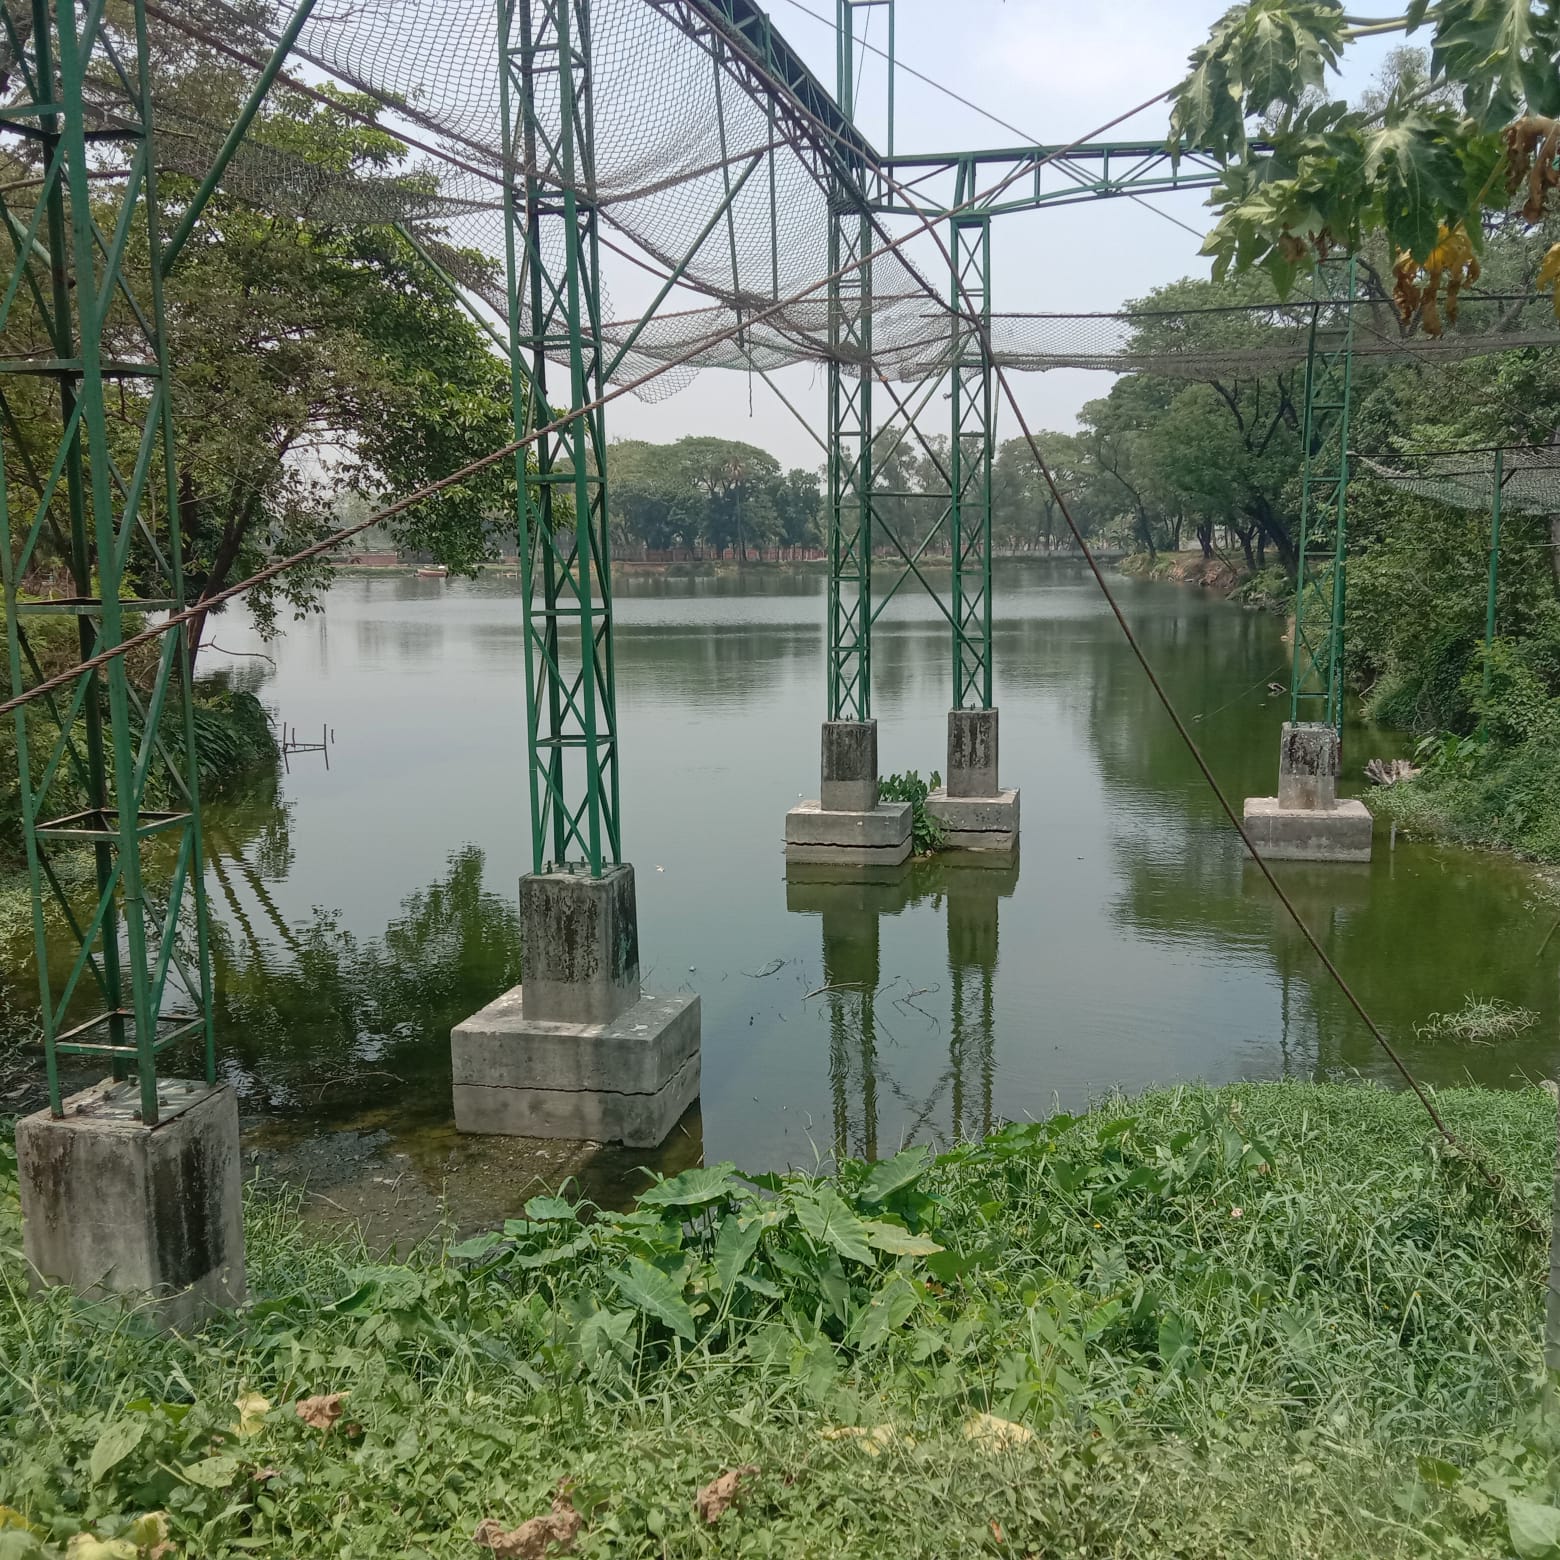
(985, 823)
(878, 836)
(626, 1081)
(1341, 832)
(151, 1215)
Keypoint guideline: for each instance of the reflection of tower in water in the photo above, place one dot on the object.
(850, 906)
(973, 887)
(1313, 1025)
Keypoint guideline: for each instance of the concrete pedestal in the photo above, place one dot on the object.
(112, 1207)
(1306, 821)
(879, 837)
(847, 825)
(1341, 832)
(578, 1051)
(972, 807)
(625, 1081)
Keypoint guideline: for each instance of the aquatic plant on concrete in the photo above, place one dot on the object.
(926, 833)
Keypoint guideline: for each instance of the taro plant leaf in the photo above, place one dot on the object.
(475, 1248)
(887, 1311)
(761, 1286)
(828, 1222)
(893, 1175)
(551, 1210)
(114, 1445)
(553, 1255)
(1534, 1528)
(692, 1189)
(651, 1291)
(898, 1241)
(605, 1333)
(734, 1247)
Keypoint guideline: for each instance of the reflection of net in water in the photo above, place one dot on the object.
(702, 158)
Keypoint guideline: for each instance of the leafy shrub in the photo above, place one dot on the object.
(926, 833)
(1270, 1297)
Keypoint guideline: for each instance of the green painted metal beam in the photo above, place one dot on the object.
(246, 115)
(1492, 587)
(969, 520)
(125, 766)
(552, 269)
(1316, 687)
(850, 466)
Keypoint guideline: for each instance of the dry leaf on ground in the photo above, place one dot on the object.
(320, 1413)
(992, 1434)
(532, 1540)
(720, 1495)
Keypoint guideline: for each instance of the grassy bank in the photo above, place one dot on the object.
(1262, 1320)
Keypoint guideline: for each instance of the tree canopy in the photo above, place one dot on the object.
(1428, 165)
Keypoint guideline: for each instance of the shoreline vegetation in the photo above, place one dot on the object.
(1262, 1319)
(1495, 787)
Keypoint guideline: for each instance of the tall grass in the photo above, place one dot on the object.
(1261, 1320)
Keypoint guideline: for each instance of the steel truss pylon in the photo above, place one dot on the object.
(553, 272)
(110, 765)
(850, 517)
(1316, 687)
(969, 510)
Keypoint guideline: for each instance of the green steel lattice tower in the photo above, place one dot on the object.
(553, 271)
(850, 516)
(110, 764)
(969, 512)
(1316, 690)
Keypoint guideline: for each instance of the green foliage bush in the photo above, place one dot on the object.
(926, 833)
(1261, 1321)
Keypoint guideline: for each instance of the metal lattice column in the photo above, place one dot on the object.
(1316, 681)
(850, 417)
(553, 272)
(969, 517)
(118, 752)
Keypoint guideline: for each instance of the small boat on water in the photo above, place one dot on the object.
(432, 571)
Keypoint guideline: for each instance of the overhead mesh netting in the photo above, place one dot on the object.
(682, 113)
(1529, 476)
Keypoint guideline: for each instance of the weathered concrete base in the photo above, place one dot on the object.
(151, 1215)
(1341, 832)
(624, 1081)
(988, 823)
(879, 836)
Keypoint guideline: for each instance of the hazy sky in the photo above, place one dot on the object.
(1057, 71)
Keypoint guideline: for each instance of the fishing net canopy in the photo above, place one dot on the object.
(1529, 477)
(704, 159)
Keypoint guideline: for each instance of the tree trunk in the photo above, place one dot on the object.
(1205, 538)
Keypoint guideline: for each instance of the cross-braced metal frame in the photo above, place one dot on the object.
(84, 327)
(552, 263)
(1316, 690)
(850, 434)
(969, 515)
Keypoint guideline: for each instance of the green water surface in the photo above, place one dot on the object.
(366, 906)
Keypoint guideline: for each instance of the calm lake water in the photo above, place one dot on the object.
(367, 906)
